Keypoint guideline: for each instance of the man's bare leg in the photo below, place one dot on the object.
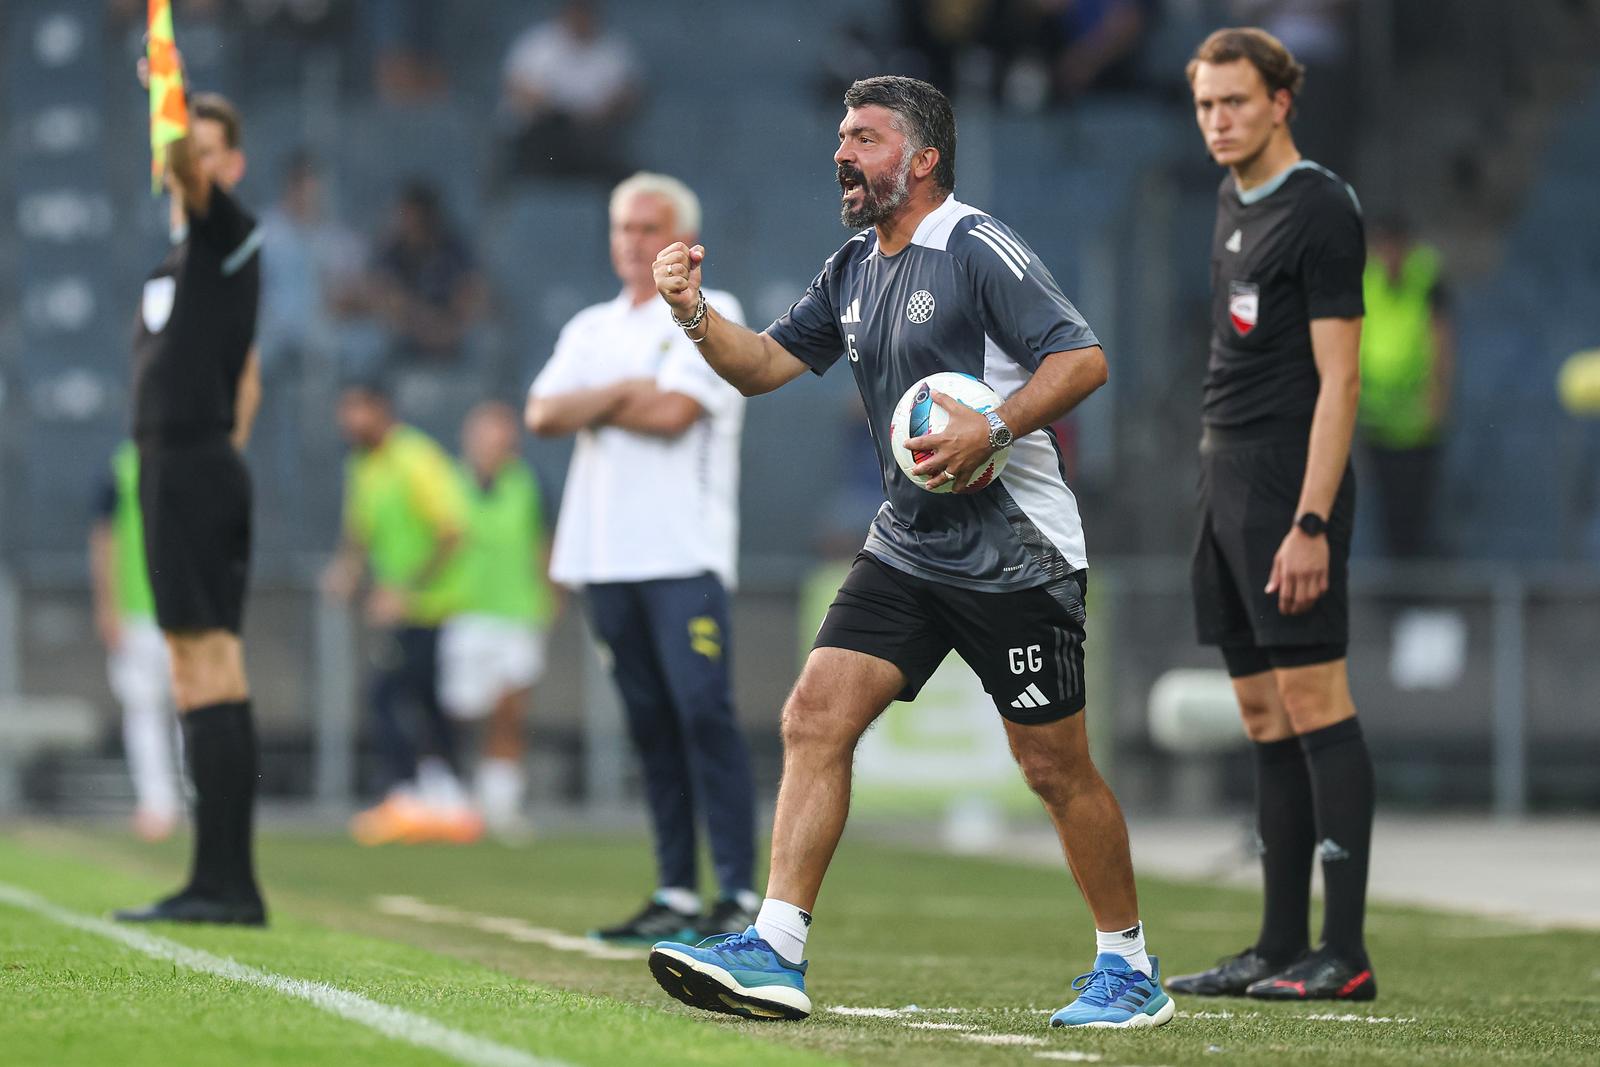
(504, 739)
(501, 777)
(207, 668)
(1054, 758)
(838, 696)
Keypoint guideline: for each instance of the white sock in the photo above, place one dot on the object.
(1129, 944)
(784, 927)
(681, 900)
(500, 783)
(438, 786)
(147, 737)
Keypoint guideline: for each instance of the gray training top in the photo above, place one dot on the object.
(967, 294)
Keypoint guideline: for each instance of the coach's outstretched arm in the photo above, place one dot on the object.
(751, 362)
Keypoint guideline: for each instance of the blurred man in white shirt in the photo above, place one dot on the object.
(649, 530)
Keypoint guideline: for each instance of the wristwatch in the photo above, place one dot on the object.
(1311, 524)
(1000, 435)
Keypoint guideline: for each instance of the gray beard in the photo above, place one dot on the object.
(879, 201)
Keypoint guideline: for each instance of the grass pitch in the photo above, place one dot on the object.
(479, 941)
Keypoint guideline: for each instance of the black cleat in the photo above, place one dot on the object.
(654, 922)
(1320, 975)
(191, 907)
(726, 918)
(1229, 978)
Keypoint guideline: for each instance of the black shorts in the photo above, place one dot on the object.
(1248, 494)
(196, 504)
(1025, 646)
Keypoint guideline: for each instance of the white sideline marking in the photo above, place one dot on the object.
(891, 1013)
(1069, 1056)
(1322, 1017)
(514, 929)
(394, 1023)
(1003, 1039)
(942, 1026)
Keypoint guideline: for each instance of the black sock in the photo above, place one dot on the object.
(220, 748)
(1341, 783)
(1288, 837)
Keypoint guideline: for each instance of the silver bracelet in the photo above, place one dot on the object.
(693, 320)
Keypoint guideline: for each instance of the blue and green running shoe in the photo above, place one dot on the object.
(735, 974)
(1116, 995)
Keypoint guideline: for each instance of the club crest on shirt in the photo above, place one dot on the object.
(919, 308)
(156, 307)
(1244, 306)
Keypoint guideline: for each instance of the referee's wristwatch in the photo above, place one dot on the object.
(1311, 524)
(1000, 435)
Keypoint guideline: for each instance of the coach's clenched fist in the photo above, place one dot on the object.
(677, 271)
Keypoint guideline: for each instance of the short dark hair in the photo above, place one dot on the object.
(924, 115)
(1274, 62)
(220, 109)
(372, 386)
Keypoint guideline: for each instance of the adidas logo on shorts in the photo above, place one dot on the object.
(1031, 698)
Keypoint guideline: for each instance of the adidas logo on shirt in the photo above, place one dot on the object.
(852, 314)
(1031, 698)
(1235, 242)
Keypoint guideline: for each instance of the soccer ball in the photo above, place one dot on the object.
(917, 414)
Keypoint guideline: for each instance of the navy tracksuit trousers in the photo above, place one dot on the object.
(668, 640)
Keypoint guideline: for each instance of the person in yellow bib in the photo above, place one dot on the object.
(1407, 360)
(492, 653)
(136, 655)
(405, 517)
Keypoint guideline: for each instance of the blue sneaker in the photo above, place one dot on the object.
(1114, 994)
(735, 974)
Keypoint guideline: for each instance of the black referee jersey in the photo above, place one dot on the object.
(1282, 254)
(197, 321)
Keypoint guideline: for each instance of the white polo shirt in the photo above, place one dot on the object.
(636, 506)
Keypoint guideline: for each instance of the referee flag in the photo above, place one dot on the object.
(169, 114)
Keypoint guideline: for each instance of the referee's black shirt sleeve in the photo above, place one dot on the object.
(1333, 257)
(225, 226)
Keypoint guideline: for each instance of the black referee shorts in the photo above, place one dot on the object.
(196, 504)
(1026, 646)
(1249, 490)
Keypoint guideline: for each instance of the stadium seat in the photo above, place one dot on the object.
(31, 725)
(1194, 716)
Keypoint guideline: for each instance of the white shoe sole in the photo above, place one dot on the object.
(1163, 1015)
(713, 988)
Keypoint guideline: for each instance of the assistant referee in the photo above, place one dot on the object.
(196, 388)
(1278, 508)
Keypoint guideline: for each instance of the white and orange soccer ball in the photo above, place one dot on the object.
(917, 414)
